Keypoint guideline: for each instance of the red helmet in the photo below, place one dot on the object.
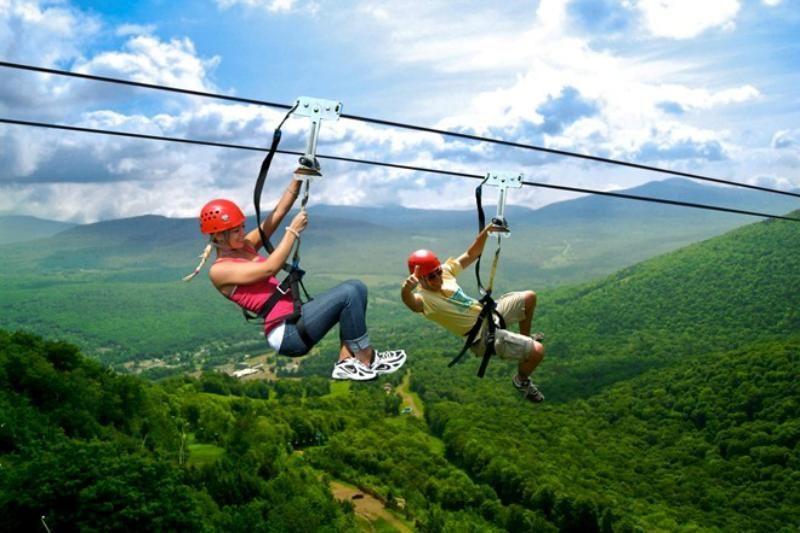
(425, 260)
(219, 215)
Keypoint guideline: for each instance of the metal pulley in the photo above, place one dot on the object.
(316, 109)
(503, 181)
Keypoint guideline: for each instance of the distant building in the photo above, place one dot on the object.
(246, 372)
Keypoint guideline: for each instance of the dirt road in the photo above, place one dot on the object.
(367, 506)
(409, 399)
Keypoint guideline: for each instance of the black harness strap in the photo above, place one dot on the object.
(488, 351)
(262, 178)
(481, 224)
(488, 305)
(488, 310)
(293, 283)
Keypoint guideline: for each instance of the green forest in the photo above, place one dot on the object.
(673, 404)
(708, 445)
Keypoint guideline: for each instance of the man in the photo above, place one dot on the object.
(431, 289)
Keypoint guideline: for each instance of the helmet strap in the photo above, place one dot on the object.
(222, 247)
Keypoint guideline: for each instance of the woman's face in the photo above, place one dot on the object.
(234, 237)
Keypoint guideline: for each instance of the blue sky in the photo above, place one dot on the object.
(705, 87)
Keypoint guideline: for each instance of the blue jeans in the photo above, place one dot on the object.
(346, 304)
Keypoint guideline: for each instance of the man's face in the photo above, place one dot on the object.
(433, 281)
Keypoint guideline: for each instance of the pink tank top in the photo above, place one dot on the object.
(253, 296)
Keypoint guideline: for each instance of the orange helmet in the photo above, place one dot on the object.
(220, 215)
(425, 260)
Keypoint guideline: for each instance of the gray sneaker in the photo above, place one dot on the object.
(528, 390)
(353, 369)
(388, 362)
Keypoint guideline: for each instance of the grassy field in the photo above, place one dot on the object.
(203, 454)
(340, 388)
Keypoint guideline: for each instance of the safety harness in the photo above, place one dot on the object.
(316, 110)
(488, 305)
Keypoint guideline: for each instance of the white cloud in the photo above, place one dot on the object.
(781, 183)
(273, 6)
(52, 19)
(50, 33)
(135, 29)
(140, 165)
(685, 19)
(20, 151)
(623, 106)
(149, 60)
(784, 155)
(375, 11)
(630, 121)
(785, 139)
(88, 202)
(771, 3)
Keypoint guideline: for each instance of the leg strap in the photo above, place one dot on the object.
(488, 352)
(488, 310)
(303, 332)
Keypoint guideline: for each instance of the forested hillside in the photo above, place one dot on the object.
(716, 295)
(712, 296)
(90, 450)
(710, 444)
(673, 400)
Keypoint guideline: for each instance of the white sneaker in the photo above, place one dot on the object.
(528, 390)
(352, 368)
(388, 362)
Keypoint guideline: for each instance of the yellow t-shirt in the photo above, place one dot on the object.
(451, 307)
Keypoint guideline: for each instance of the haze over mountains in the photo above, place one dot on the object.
(21, 228)
(104, 285)
(566, 242)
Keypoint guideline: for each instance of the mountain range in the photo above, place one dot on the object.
(21, 228)
(566, 242)
(113, 286)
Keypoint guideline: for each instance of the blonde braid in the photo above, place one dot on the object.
(203, 259)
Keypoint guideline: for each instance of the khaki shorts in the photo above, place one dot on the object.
(507, 344)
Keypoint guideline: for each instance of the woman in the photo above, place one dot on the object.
(248, 279)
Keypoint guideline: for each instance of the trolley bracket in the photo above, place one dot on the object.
(503, 181)
(316, 109)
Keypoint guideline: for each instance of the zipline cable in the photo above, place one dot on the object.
(140, 84)
(478, 138)
(398, 166)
